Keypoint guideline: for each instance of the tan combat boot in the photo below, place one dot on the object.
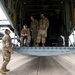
(7, 70)
(2, 71)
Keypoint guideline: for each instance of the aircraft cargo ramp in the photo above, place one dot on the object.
(32, 65)
(44, 51)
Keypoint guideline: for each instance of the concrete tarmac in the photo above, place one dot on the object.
(32, 65)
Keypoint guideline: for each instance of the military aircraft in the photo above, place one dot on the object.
(61, 15)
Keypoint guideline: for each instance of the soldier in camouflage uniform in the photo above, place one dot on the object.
(42, 33)
(6, 51)
(34, 29)
(25, 35)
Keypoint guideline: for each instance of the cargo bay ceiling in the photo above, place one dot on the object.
(26, 8)
(35, 7)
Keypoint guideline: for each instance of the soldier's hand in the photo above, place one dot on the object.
(26, 34)
(12, 52)
(22, 34)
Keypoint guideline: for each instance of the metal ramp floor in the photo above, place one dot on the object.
(33, 65)
(44, 51)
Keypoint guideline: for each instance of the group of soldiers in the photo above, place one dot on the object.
(39, 34)
(38, 30)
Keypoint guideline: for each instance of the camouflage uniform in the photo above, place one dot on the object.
(34, 29)
(27, 31)
(6, 51)
(29, 37)
(42, 33)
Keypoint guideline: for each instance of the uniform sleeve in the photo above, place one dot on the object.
(37, 24)
(7, 43)
(31, 26)
(47, 23)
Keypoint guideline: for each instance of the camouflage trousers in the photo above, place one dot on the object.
(42, 34)
(28, 40)
(34, 37)
(6, 58)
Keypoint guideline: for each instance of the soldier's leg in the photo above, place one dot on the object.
(35, 38)
(38, 37)
(43, 38)
(38, 40)
(7, 57)
(22, 41)
(32, 37)
(45, 33)
(3, 61)
(29, 39)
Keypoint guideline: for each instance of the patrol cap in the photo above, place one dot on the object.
(6, 31)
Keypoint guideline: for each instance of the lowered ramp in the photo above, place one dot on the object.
(44, 51)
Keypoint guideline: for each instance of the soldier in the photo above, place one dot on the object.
(6, 51)
(42, 33)
(34, 29)
(25, 36)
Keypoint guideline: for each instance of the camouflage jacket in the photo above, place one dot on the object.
(25, 31)
(44, 23)
(6, 42)
(34, 25)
